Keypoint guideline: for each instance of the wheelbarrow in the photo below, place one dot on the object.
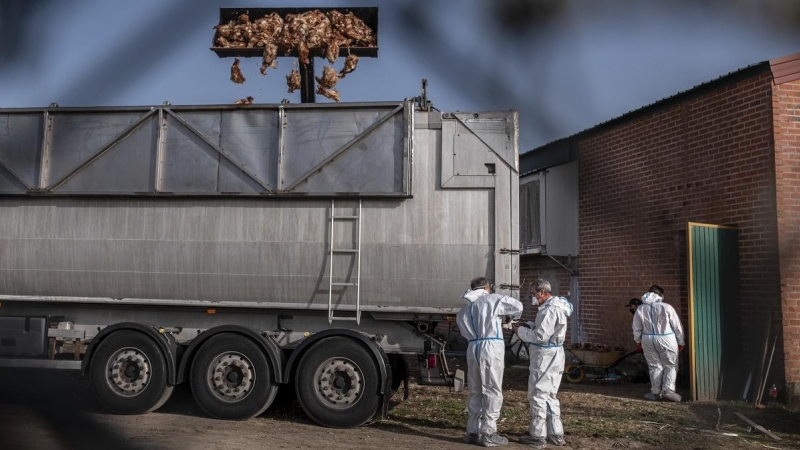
(592, 361)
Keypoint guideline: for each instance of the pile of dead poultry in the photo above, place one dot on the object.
(312, 32)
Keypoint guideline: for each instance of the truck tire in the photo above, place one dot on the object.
(337, 383)
(231, 378)
(128, 373)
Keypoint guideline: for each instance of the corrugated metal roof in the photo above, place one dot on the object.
(785, 69)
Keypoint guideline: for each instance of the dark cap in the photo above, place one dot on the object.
(634, 302)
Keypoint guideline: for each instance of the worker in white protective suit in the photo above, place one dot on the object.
(480, 322)
(546, 337)
(658, 334)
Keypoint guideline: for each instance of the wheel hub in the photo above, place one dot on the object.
(339, 382)
(128, 371)
(234, 377)
(231, 376)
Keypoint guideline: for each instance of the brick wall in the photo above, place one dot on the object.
(786, 107)
(533, 267)
(706, 158)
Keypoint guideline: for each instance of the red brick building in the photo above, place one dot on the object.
(726, 152)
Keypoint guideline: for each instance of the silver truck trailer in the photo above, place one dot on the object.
(245, 248)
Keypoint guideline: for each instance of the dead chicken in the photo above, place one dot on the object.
(225, 30)
(350, 64)
(268, 30)
(332, 94)
(236, 72)
(244, 101)
(332, 53)
(328, 79)
(294, 34)
(248, 34)
(224, 33)
(293, 80)
(237, 35)
(285, 38)
(355, 32)
(338, 24)
(319, 29)
(245, 29)
(303, 52)
(270, 58)
(305, 32)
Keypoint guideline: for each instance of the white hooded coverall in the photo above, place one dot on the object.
(480, 322)
(546, 337)
(658, 328)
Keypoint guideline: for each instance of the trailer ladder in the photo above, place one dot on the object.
(353, 251)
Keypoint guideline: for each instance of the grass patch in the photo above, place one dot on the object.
(596, 416)
(604, 416)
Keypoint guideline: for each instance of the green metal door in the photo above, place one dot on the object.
(713, 310)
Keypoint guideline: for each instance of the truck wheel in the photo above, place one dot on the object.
(231, 378)
(337, 383)
(128, 373)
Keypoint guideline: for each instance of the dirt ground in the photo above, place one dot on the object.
(56, 410)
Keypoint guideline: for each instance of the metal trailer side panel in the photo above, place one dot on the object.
(417, 253)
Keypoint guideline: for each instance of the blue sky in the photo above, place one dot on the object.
(565, 65)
